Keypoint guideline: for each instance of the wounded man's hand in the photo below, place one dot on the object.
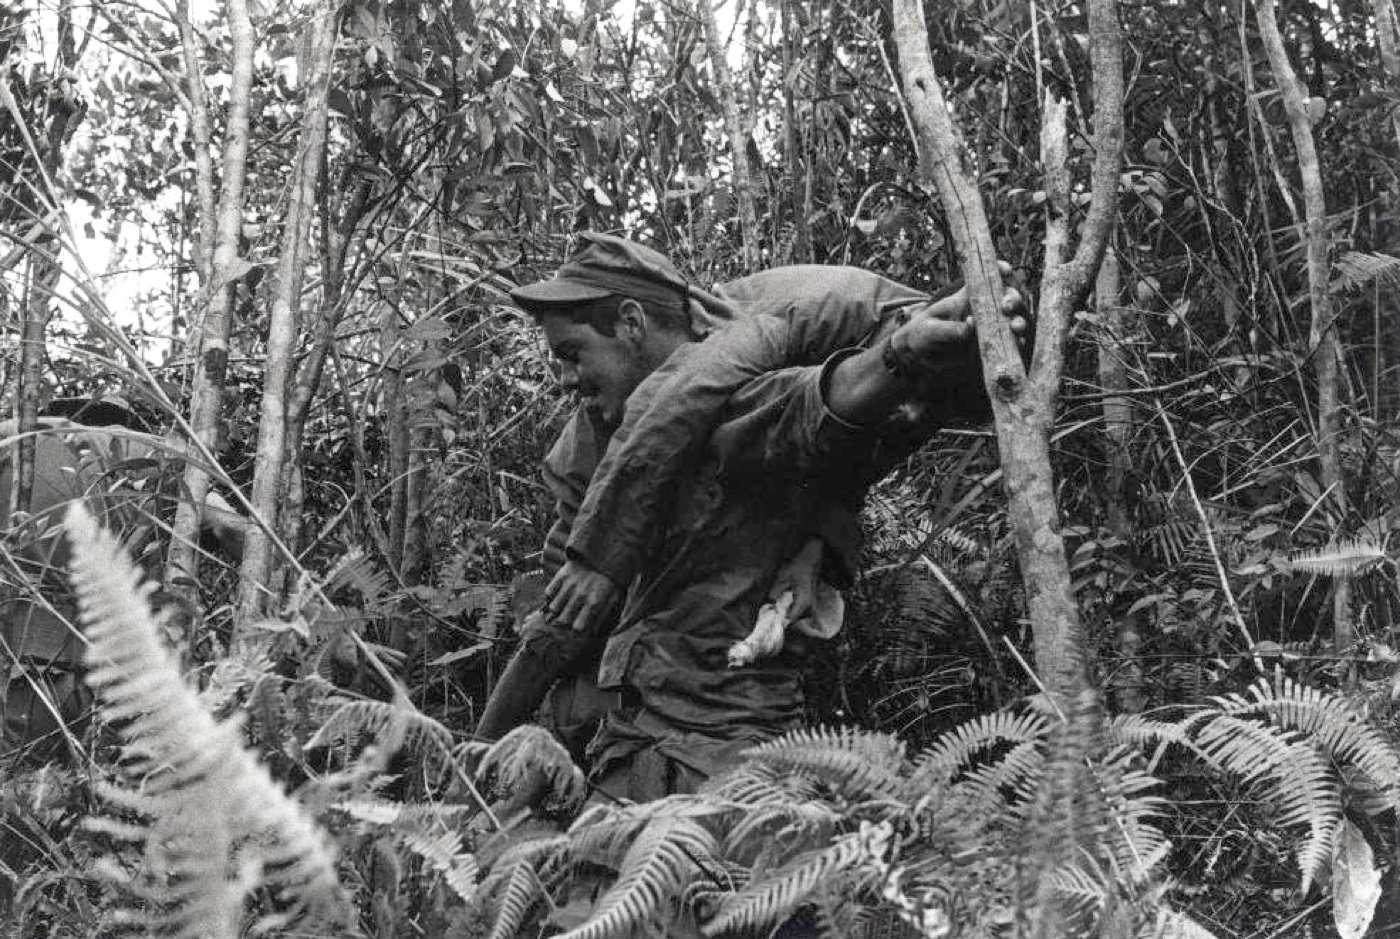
(800, 577)
(579, 597)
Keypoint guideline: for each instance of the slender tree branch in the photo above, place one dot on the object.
(255, 580)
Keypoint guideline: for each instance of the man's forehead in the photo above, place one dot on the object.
(559, 329)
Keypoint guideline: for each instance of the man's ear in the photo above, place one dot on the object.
(632, 322)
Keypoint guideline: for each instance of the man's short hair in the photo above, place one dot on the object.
(602, 314)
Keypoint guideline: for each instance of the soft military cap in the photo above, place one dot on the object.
(606, 265)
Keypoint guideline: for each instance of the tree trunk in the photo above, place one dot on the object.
(35, 313)
(336, 238)
(203, 150)
(394, 428)
(211, 360)
(1387, 295)
(738, 138)
(1388, 38)
(256, 584)
(1024, 403)
(1323, 343)
(797, 182)
(33, 202)
(413, 565)
(1114, 346)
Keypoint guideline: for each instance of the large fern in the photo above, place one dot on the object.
(211, 822)
(667, 854)
(960, 746)
(1013, 817)
(1346, 559)
(769, 901)
(520, 891)
(1329, 722)
(399, 726)
(528, 752)
(857, 762)
(443, 852)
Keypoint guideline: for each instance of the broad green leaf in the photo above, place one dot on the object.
(1356, 883)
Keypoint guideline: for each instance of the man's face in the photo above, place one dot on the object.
(600, 370)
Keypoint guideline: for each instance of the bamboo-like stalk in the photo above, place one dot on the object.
(197, 101)
(395, 430)
(1323, 341)
(1388, 39)
(1114, 337)
(211, 361)
(37, 199)
(255, 582)
(335, 241)
(797, 171)
(35, 312)
(738, 138)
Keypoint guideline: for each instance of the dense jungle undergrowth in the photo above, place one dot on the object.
(281, 235)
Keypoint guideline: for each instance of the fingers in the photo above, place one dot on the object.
(572, 610)
(562, 595)
(552, 589)
(576, 597)
(952, 307)
(1012, 303)
(591, 607)
(1011, 300)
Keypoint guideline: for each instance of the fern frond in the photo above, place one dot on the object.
(1139, 732)
(723, 876)
(357, 571)
(953, 750)
(792, 827)
(769, 901)
(1068, 819)
(523, 889)
(858, 763)
(1133, 845)
(1360, 268)
(400, 726)
(1330, 722)
(913, 615)
(219, 824)
(380, 812)
(1296, 776)
(1348, 559)
(668, 854)
(756, 784)
(603, 833)
(544, 853)
(836, 916)
(1084, 889)
(1019, 770)
(530, 751)
(232, 677)
(443, 851)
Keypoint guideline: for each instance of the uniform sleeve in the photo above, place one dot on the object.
(796, 316)
(779, 424)
(566, 470)
(668, 419)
